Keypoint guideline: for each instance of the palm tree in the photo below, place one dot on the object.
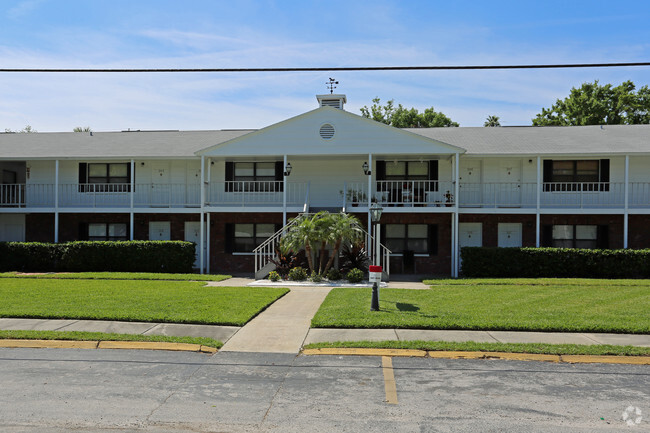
(303, 235)
(344, 227)
(492, 121)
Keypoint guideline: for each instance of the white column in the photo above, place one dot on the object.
(369, 247)
(56, 201)
(201, 228)
(538, 202)
(453, 246)
(131, 216)
(207, 227)
(456, 219)
(627, 200)
(284, 192)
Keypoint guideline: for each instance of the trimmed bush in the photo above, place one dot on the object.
(274, 276)
(354, 276)
(297, 274)
(85, 256)
(483, 262)
(334, 274)
(316, 277)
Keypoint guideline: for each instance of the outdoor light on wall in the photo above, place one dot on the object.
(287, 169)
(366, 169)
(28, 169)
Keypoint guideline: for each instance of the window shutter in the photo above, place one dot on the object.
(433, 175)
(547, 174)
(602, 241)
(381, 170)
(229, 237)
(604, 174)
(83, 231)
(230, 176)
(83, 176)
(547, 236)
(433, 239)
(279, 175)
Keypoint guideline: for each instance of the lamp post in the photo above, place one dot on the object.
(375, 216)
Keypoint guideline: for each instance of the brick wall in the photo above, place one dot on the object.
(638, 231)
(39, 227)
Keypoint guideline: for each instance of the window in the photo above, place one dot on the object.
(107, 232)
(588, 236)
(104, 177)
(419, 238)
(254, 176)
(576, 175)
(246, 237)
(407, 170)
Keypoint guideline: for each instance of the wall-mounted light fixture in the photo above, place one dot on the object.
(142, 164)
(287, 169)
(366, 169)
(28, 170)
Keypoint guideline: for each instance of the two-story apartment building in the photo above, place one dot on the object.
(230, 190)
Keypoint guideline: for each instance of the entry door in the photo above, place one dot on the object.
(469, 235)
(193, 234)
(159, 231)
(509, 188)
(12, 232)
(509, 234)
(470, 183)
(193, 186)
(160, 187)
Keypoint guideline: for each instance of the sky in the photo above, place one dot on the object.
(258, 34)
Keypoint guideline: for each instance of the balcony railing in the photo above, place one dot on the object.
(256, 193)
(402, 193)
(556, 195)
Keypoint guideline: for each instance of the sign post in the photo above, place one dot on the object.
(375, 279)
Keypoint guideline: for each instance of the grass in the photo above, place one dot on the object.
(116, 276)
(619, 306)
(102, 336)
(470, 346)
(130, 300)
(534, 282)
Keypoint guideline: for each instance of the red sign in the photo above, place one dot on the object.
(374, 268)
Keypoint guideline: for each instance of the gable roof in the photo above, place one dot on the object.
(545, 140)
(352, 135)
(132, 144)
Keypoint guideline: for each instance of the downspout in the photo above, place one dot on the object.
(456, 207)
(131, 216)
(539, 201)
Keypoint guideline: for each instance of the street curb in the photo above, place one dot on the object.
(509, 356)
(94, 344)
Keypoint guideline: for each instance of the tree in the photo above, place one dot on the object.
(593, 104)
(82, 129)
(302, 236)
(492, 121)
(402, 117)
(344, 227)
(27, 129)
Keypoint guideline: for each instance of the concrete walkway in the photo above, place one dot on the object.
(283, 326)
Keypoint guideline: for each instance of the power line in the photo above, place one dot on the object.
(331, 69)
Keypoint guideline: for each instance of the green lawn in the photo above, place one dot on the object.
(621, 306)
(117, 276)
(102, 336)
(470, 346)
(129, 300)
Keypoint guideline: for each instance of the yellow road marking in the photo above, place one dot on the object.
(389, 380)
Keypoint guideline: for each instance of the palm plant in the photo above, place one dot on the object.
(343, 227)
(304, 234)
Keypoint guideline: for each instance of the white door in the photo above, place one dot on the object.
(469, 235)
(160, 187)
(12, 233)
(159, 231)
(470, 183)
(509, 187)
(193, 234)
(193, 186)
(509, 234)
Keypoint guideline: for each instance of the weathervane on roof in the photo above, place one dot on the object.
(331, 85)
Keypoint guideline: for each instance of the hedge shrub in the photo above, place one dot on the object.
(484, 262)
(85, 256)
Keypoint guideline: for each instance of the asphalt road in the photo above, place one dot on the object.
(59, 390)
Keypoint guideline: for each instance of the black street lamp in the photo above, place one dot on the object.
(375, 216)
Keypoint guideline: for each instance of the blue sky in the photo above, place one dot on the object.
(230, 34)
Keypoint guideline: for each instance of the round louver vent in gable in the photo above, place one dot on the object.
(326, 131)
